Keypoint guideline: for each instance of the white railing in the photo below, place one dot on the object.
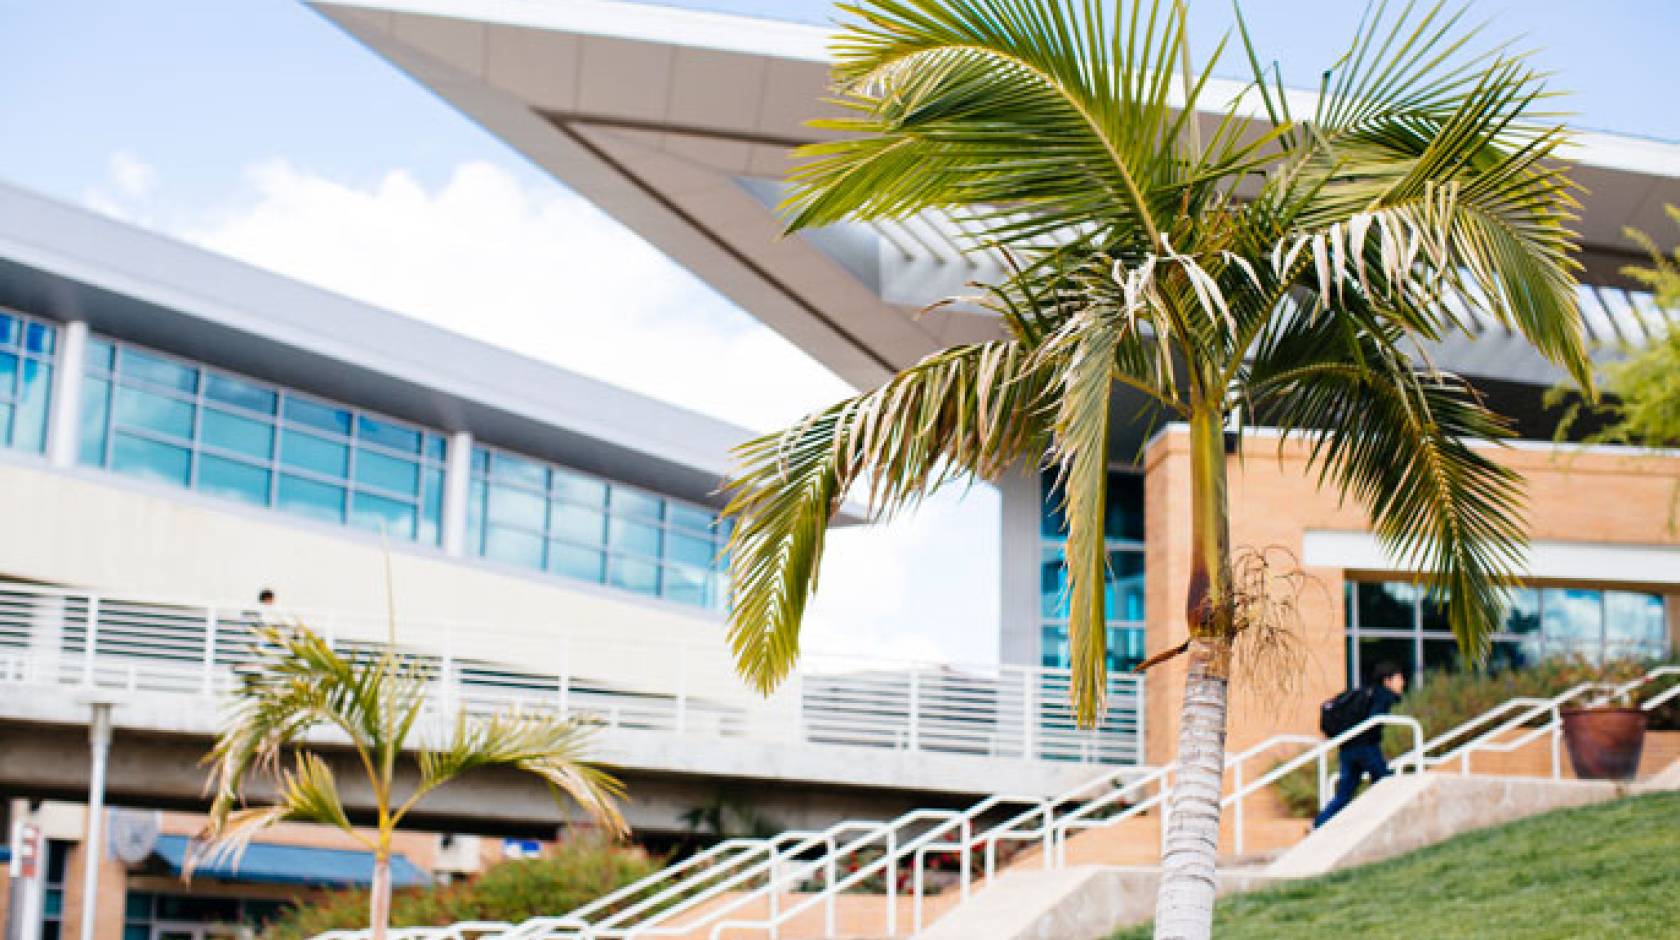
(59, 637)
(706, 894)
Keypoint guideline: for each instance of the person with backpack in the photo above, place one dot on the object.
(1361, 755)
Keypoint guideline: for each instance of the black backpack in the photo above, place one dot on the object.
(1344, 711)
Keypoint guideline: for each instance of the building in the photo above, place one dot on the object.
(180, 432)
(680, 125)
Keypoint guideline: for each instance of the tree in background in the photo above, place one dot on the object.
(376, 704)
(1256, 266)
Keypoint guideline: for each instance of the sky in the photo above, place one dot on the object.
(257, 129)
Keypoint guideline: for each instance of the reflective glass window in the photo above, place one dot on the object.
(157, 413)
(1635, 625)
(148, 369)
(96, 411)
(631, 504)
(322, 455)
(311, 498)
(633, 574)
(151, 460)
(385, 434)
(392, 474)
(635, 537)
(513, 546)
(240, 393)
(1573, 620)
(575, 561)
(230, 431)
(576, 523)
(235, 479)
(314, 414)
(384, 515)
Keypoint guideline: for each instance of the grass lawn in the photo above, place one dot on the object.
(1611, 870)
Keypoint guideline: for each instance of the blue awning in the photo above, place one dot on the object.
(293, 865)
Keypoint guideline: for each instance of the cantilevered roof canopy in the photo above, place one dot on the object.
(679, 124)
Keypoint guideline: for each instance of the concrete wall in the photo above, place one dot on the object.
(1275, 501)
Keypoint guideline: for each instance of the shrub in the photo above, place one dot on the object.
(579, 871)
(1446, 700)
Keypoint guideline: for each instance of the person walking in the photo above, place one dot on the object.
(1362, 755)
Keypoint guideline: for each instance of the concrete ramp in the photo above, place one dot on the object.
(1081, 902)
(1410, 811)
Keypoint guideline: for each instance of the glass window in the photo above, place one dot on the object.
(29, 430)
(513, 546)
(1388, 605)
(1573, 620)
(96, 409)
(517, 507)
(691, 518)
(225, 430)
(234, 479)
(689, 549)
(387, 473)
(311, 498)
(573, 561)
(308, 452)
(239, 393)
(1635, 625)
(634, 537)
(380, 514)
(518, 470)
(1374, 650)
(386, 434)
(684, 584)
(575, 523)
(632, 504)
(1523, 614)
(317, 415)
(101, 355)
(633, 574)
(152, 460)
(159, 414)
(38, 338)
(155, 370)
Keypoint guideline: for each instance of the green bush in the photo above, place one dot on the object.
(579, 871)
(1446, 700)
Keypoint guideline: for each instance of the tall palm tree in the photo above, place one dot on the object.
(1261, 267)
(375, 703)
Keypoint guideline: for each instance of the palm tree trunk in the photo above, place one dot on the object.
(1184, 906)
(379, 896)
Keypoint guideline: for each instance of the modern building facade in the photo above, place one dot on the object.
(180, 431)
(680, 124)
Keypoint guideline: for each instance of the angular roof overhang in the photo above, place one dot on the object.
(679, 123)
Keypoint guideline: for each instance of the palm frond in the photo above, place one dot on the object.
(307, 793)
(968, 411)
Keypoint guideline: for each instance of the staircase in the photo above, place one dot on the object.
(869, 879)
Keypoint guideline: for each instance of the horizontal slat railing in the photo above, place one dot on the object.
(55, 636)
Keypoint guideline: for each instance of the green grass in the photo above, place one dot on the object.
(1611, 870)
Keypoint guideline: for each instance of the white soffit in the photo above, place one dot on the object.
(673, 121)
(1590, 562)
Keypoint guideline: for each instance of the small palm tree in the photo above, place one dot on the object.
(1262, 267)
(373, 703)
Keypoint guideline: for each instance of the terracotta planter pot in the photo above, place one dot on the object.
(1605, 743)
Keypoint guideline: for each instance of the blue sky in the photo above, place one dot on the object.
(260, 130)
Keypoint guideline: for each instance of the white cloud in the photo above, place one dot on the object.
(134, 177)
(537, 269)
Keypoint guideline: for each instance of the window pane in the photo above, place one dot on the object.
(317, 415)
(10, 330)
(312, 499)
(30, 428)
(511, 506)
(379, 514)
(632, 503)
(386, 434)
(1513, 654)
(39, 339)
(233, 479)
(1125, 648)
(240, 393)
(1125, 585)
(633, 537)
(1523, 616)
(689, 549)
(575, 562)
(1387, 605)
(1635, 625)
(6, 425)
(1441, 656)
(436, 448)
(1052, 583)
(308, 452)
(137, 906)
(1573, 620)
(96, 410)
(1434, 612)
(514, 547)
(1052, 523)
(694, 519)
(228, 431)
(156, 370)
(1054, 647)
(1124, 509)
(387, 473)
(506, 467)
(8, 375)
(100, 354)
(685, 585)
(149, 459)
(476, 494)
(431, 514)
(633, 574)
(580, 489)
(1375, 650)
(585, 526)
(154, 412)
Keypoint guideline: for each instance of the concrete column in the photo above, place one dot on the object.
(64, 422)
(1018, 577)
(457, 484)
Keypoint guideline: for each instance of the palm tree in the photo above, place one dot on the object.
(1260, 267)
(375, 704)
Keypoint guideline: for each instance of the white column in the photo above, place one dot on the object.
(93, 846)
(457, 483)
(64, 425)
